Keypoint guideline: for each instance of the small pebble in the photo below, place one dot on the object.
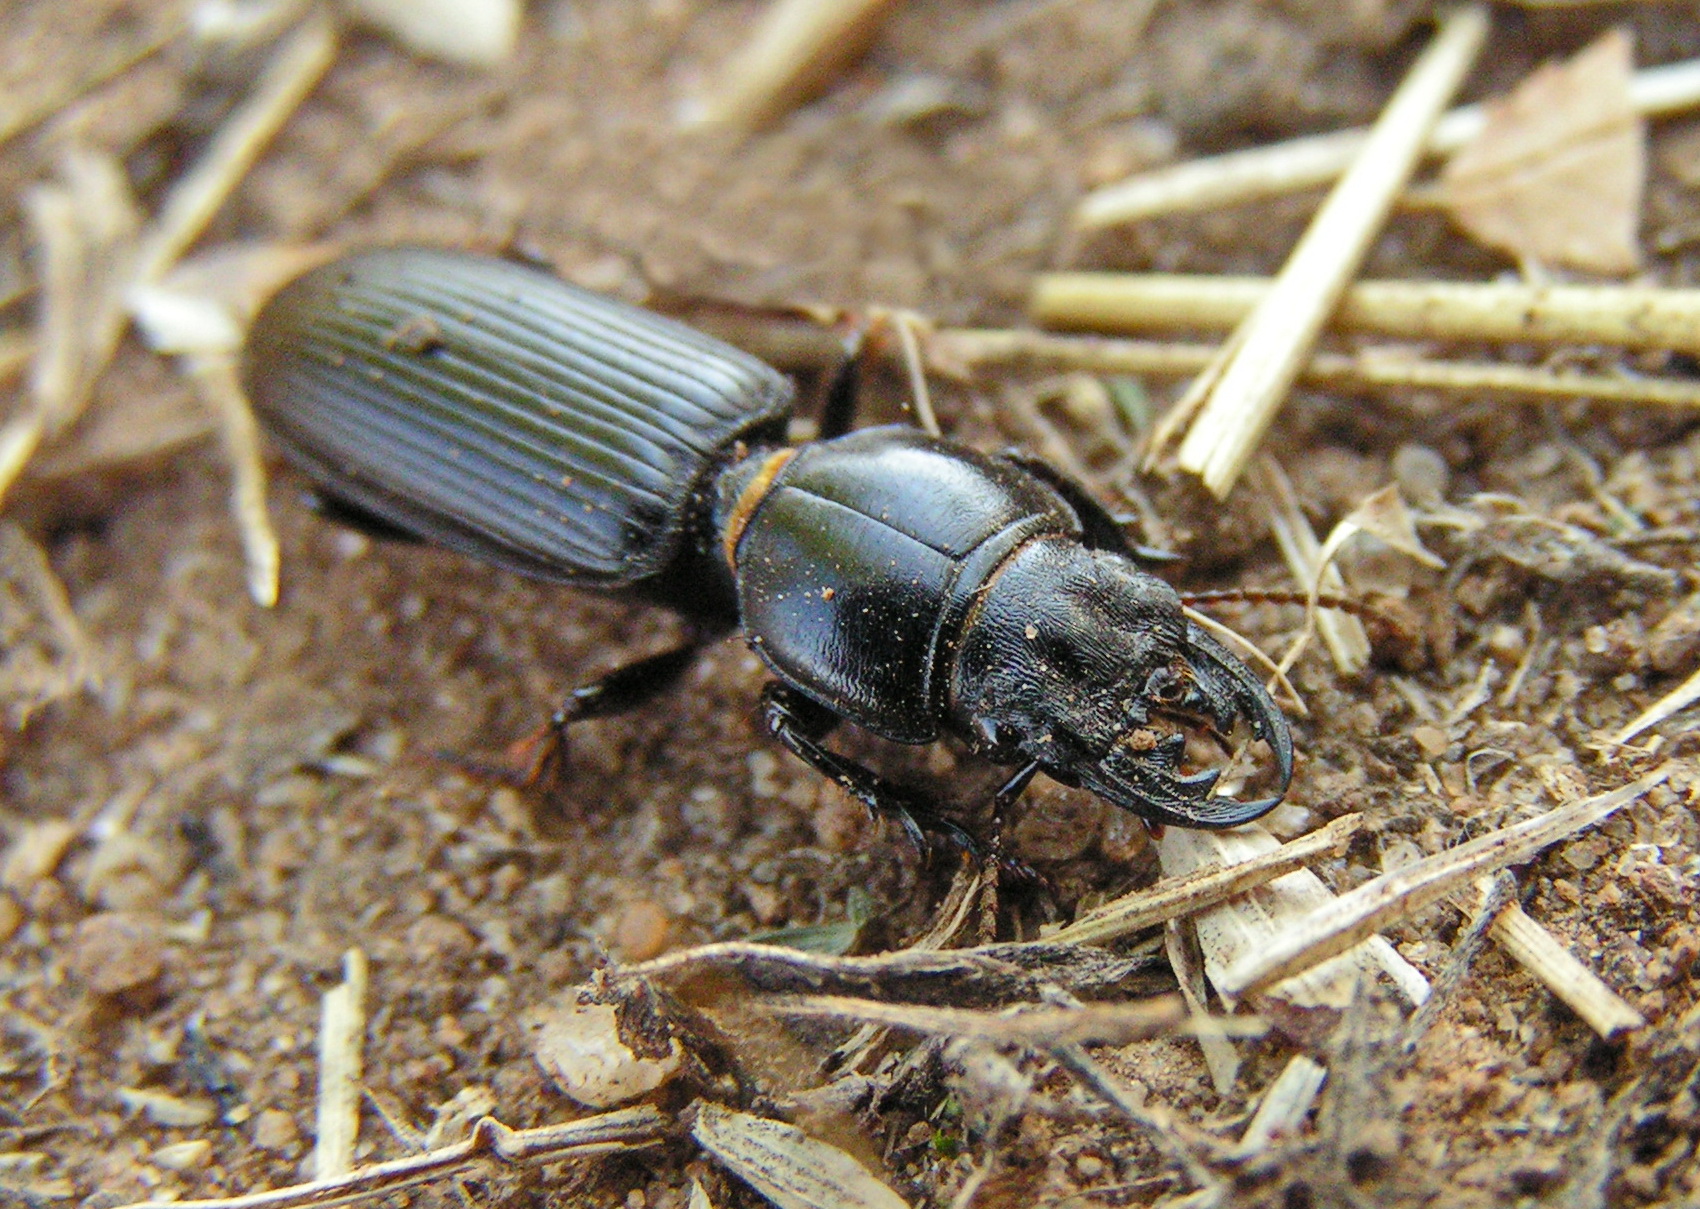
(642, 930)
(1289, 821)
(1421, 473)
(1060, 825)
(116, 951)
(163, 1108)
(183, 1156)
(1088, 1168)
(11, 917)
(1125, 837)
(1431, 739)
(275, 1130)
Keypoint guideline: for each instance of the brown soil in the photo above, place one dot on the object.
(256, 791)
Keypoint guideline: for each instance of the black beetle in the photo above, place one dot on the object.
(910, 585)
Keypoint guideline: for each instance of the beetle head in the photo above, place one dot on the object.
(1077, 659)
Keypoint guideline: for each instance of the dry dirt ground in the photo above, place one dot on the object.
(252, 792)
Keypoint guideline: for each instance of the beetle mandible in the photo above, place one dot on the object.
(911, 585)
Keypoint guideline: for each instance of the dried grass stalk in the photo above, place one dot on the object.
(1539, 952)
(1314, 161)
(342, 1031)
(1284, 1107)
(1633, 316)
(68, 662)
(1221, 1059)
(1243, 928)
(85, 226)
(293, 72)
(1088, 1024)
(959, 352)
(610, 1133)
(1345, 921)
(1279, 334)
(1678, 699)
(50, 91)
(218, 380)
(1175, 897)
(798, 47)
(786, 1165)
(1311, 565)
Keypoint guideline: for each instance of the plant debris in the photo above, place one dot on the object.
(1556, 175)
(205, 805)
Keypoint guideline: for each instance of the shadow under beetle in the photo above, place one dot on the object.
(908, 584)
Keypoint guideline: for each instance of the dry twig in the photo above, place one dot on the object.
(1250, 924)
(1221, 1059)
(1539, 952)
(217, 380)
(610, 1133)
(1313, 161)
(342, 1034)
(1626, 316)
(1673, 702)
(1276, 338)
(52, 92)
(1497, 891)
(1360, 913)
(1086, 1024)
(995, 975)
(1285, 1105)
(1175, 897)
(26, 572)
(85, 227)
(960, 351)
(795, 50)
(293, 72)
(1311, 565)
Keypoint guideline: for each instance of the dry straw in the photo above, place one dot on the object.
(1638, 317)
(1338, 925)
(1275, 340)
(1314, 161)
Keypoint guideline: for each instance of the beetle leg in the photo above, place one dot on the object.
(838, 410)
(539, 761)
(800, 724)
(627, 687)
(1014, 787)
(1099, 529)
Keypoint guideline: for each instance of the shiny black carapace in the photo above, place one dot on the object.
(910, 585)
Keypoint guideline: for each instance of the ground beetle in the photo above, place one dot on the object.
(908, 584)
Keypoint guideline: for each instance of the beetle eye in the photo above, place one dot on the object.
(1166, 686)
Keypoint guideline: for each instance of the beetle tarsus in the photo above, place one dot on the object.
(843, 388)
(538, 762)
(1014, 787)
(800, 724)
(628, 687)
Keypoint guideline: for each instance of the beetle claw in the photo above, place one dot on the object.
(1201, 783)
(1223, 691)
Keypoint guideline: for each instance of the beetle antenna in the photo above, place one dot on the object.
(1277, 676)
(1324, 600)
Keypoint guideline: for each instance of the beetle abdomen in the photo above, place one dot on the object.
(499, 411)
(858, 562)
